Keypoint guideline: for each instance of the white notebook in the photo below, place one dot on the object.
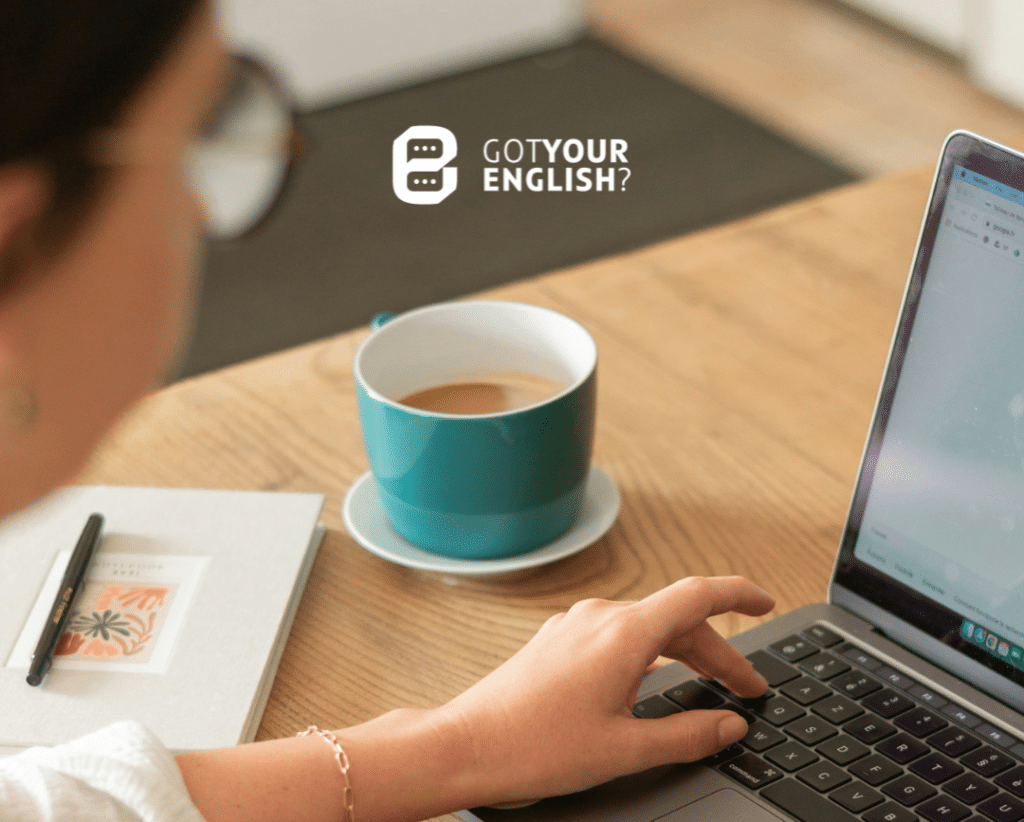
(182, 620)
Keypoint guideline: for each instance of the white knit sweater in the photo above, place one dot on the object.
(117, 774)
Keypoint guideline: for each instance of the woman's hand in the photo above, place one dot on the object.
(557, 717)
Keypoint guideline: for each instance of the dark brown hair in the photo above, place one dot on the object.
(68, 68)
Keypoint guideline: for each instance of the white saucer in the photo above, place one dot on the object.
(369, 526)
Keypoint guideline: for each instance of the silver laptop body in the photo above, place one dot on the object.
(926, 601)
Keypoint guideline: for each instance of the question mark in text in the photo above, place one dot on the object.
(625, 177)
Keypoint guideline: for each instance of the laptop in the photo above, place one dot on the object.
(902, 697)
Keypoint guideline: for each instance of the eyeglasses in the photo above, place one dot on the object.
(243, 158)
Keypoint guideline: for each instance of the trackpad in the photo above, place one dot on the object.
(721, 805)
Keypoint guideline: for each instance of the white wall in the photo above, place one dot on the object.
(996, 33)
(988, 34)
(333, 50)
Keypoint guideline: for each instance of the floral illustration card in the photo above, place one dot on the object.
(126, 618)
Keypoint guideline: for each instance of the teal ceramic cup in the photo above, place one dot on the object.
(482, 485)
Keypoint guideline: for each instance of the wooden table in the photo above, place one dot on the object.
(738, 371)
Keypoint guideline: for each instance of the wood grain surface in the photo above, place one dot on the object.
(738, 371)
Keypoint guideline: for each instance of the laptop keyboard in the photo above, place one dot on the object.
(842, 737)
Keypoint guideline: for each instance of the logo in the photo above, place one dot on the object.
(1004, 648)
(990, 642)
(419, 165)
(967, 629)
(537, 164)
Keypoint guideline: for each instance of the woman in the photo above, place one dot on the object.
(100, 227)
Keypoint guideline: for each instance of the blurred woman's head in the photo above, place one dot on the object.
(68, 68)
(99, 228)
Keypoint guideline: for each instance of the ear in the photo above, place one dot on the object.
(23, 196)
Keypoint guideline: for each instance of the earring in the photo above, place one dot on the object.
(18, 406)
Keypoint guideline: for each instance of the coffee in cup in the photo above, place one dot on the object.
(478, 420)
(486, 394)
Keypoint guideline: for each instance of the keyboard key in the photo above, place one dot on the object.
(969, 788)
(723, 755)
(1002, 808)
(748, 715)
(859, 657)
(908, 790)
(823, 776)
(1000, 738)
(811, 730)
(869, 728)
(936, 768)
(654, 707)
(943, 809)
(920, 722)
(806, 690)
(953, 742)
(804, 804)
(772, 668)
(715, 686)
(748, 703)
(856, 797)
(875, 769)
(794, 648)
(693, 695)
(778, 710)
(762, 736)
(750, 770)
(902, 748)
(928, 697)
(958, 714)
(824, 666)
(825, 637)
(837, 709)
(888, 703)
(896, 678)
(987, 761)
(1012, 780)
(890, 812)
(855, 685)
(843, 749)
(791, 756)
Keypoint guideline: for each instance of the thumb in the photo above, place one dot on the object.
(691, 735)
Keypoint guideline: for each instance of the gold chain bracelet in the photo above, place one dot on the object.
(342, 759)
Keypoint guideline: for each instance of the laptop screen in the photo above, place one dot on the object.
(936, 532)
